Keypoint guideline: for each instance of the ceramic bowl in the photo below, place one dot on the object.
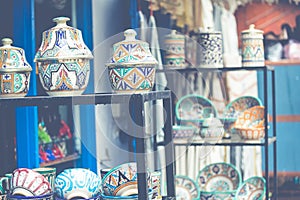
(27, 182)
(219, 177)
(193, 110)
(212, 129)
(63, 60)
(183, 131)
(186, 188)
(132, 66)
(250, 124)
(40, 197)
(132, 197)
(14, 71)
(77, 183)
(121, 180)
(219, 195)
(252, 188)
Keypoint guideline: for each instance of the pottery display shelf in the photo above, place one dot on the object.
(269, 141)
(136, 107)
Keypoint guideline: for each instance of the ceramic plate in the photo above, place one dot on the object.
(194, 108)
(219, 177)
(239, 105)
(186, 188)
(251, 189)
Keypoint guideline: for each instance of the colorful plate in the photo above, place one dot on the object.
(253, 188)
(186, 188)
(219, 177)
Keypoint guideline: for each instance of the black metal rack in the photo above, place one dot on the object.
(136, 106)
(268, 72)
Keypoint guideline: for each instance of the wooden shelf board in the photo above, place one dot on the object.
(61, 160)
(284, 62)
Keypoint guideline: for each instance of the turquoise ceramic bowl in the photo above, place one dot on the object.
(193, 110)
(41, 197)
(254, 188)
(227, 195)
(77, 183)
(186, 188)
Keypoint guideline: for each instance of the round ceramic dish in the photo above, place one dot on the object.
(217, 195)
(14, 71)
(132, 66)
(193, 109)
(253, 188)
(113, 185)
(186, 188)
(219, 177)
(77, 183)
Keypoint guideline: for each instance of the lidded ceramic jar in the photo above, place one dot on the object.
(63, 60)
(175, 50)
(252, 47)
(210, 49)
(14, 71)
(132, 66)
(212, 129)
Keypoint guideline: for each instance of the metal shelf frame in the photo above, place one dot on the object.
(268, 72)
(137, 108)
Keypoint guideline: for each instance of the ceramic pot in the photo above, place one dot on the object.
(252, 47)
(212, 129)
(63, 60)
(132, 66)
(49, 173)
(175, 50)
(210, 49)
(14, 71)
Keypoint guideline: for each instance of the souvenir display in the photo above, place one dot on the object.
(132, 66)
(175, 50)
(253, 188)
(186, 188)
(252, 47)
(63, 60)
(14, 71)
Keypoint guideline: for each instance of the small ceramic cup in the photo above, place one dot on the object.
(49, 173)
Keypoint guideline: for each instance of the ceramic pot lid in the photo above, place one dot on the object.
(62, 42)
(252, 32)
(209, 30)
(12, 59)
(212, 122)
(131, 52)
(174, 35)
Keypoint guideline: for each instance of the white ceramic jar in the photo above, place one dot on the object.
(252, 47)
(14, 71)
(63, 60)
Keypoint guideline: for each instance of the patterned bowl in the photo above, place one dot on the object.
(14, 71)
(219, 195)
(131, 197)
(250, 124)
(132, 66)
(186, 188)
(183, 131)
(219, 177)
(77, 183)
(63, 60)
(26, 182)
(253, 188)
(193, 110)
(40, 197)
(113, 185)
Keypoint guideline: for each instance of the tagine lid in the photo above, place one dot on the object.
(131, 51)
(252, 31)
(62, 42)
(12, 58)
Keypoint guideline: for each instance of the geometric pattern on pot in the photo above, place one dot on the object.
(252, 189)
(66, 76)
(194, 107)
(186, 188)
(239, 105)
(251, 118)
(222, 177)
(77, 183)
(131, 78)
(15, 83)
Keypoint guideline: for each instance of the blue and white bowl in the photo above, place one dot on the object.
(77, 183)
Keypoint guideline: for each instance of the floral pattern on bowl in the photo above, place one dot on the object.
(186, 188)
(253, 188)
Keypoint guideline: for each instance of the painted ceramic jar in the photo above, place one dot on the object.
(210, 49)
(63, 60)
(252, 47)
(175, 50)
(212, 129)
(14, 71)
(132, 66)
